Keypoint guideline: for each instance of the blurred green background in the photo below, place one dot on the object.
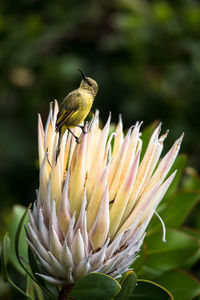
(145, 56)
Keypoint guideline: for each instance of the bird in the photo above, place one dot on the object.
(75, 108)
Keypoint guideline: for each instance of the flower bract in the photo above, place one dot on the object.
(96, 200)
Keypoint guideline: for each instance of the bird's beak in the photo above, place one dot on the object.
(84, 77)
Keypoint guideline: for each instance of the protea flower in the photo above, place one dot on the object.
(94, 203)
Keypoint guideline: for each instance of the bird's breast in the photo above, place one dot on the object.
(84, 105)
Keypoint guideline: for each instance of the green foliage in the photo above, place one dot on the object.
(181, 284)
(17, 213)
(4, 263)
(5, 256)
(146, 289)
(100, 286)
(95, 286)
(171, 254)
(128, 283)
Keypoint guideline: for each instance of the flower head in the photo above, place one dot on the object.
(94, 203)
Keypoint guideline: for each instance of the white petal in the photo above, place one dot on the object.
(77, 248)
(57, 267)
(70, 232)
(52, 280)
(43, 232)
(54, 222)
(98, 257)
(66, 258)
(82, 269)
(55, 245)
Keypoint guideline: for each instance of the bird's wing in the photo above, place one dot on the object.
(68, 108)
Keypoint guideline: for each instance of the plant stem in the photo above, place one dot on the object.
(65, 292)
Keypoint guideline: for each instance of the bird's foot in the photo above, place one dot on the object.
(83, 128)
(77, 140)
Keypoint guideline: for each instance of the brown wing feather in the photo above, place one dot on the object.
(67, 109)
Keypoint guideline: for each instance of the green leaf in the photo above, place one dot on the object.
(5, 256)
(192, 231)
(177, 249)
(177, 209)
(30, 287)
(140, 261)
(191, 261)
(196, 256)
(5, 290)
(178, 165)
(128, 284)
(17, 241)
(38, 292)
(33, 289)
(181, 284)
(4, 262)
(146, 134)
(95, 286)
(191, 180)
(149, 290)
(35, 269)
(17, 213)
(149, 273)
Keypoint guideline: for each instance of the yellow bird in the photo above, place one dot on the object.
(75, 108)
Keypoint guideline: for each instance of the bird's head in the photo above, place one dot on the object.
(89, 84)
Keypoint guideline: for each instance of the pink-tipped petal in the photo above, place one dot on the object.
(98, 159)
(165, 164)
(116, 166)
(99, 231)
(119, 137)
(64, 212)
(96, 198)
(77, 178)
(41, 150)
(119, 206)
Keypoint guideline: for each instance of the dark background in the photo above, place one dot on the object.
(145, 56)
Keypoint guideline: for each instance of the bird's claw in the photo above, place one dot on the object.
(77, 140)
(84, 131)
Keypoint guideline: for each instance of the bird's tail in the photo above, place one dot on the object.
(58, 146)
